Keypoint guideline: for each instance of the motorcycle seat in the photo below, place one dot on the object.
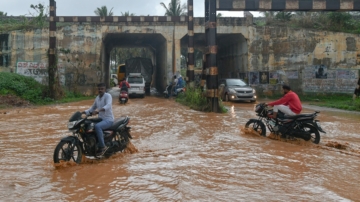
(118, 122)
(299, 116)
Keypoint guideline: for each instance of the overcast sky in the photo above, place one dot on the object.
(87, 7)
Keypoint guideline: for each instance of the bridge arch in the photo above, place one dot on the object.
(156, 42)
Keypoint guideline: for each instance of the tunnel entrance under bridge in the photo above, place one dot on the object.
(155, 43)
(232, 53)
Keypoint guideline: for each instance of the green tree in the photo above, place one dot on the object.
(103, 11)
(175, 8)
(41, 18)
(219, 15)
(3, 13)
(127, 13)
(269, 14)
(283, 16)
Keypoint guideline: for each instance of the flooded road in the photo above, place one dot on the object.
(183, 155)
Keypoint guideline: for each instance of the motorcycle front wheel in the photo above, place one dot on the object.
(257, 126)
(66, 151)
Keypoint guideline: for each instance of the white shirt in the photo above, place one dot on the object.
(104, 102)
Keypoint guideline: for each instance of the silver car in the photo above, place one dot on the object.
(236, 90)
(137, 84)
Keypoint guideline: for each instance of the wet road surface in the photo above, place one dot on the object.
(183, 155)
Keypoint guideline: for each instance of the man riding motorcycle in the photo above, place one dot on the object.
(102, 106)
(290, 104)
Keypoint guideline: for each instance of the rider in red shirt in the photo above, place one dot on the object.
(289, 104)
(124, 85)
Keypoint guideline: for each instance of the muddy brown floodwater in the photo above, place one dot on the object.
(183, 155)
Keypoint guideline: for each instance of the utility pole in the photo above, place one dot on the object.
(190, 63)
(210, 55)
(52, 50)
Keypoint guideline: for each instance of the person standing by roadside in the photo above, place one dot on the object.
(357, 89)
(173, 87)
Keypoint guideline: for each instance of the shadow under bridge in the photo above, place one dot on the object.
(154, 42)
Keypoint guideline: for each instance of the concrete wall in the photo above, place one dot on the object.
(293, 52)
(243, 51)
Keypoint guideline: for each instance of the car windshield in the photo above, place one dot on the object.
(135, 80)
(235, 82)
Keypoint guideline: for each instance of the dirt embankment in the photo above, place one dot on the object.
(7, 101)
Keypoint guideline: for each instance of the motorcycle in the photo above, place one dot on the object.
(167, 90)
(303, 126)
(123, 97)
(83, 141)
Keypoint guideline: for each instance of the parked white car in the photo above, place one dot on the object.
(137, 84)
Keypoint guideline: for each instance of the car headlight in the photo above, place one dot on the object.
(71, 124)
(231, 90)
(254, 91)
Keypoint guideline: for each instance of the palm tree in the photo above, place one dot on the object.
(174, 8)
(103, 11)
(3, 13)
(127, 13)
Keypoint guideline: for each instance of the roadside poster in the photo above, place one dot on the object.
(292, 74)
(345, 74)
(321, 72)
(254, 78)
(264, 77)
(273, 78)
(244, 76)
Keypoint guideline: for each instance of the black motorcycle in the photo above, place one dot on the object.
(84, 140)
(302, 126)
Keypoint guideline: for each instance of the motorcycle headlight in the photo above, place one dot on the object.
(254, 91)
(231, 90)
(71, 124)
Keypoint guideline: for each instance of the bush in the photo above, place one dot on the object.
(29, 89)
(22, 86)
(194, 98)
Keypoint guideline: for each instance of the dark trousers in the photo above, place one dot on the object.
(357, 92)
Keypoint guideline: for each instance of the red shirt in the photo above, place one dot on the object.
(290, 99)
(121, 83)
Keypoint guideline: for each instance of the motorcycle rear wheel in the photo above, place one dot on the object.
(315, 135)
(66, 151)
(258, 126)
(123, 139)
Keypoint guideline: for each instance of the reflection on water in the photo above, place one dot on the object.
(179, 154)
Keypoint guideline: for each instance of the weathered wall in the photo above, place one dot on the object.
(295, 55)
(277, 54)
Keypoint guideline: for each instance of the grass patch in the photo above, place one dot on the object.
(194, 98)
(15, 89)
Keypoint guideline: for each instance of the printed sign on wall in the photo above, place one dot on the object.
(321, 79)
(254, 78)
(273, 78)
(38, 71)
(264, 77)
(320, 72)
(292, 74)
